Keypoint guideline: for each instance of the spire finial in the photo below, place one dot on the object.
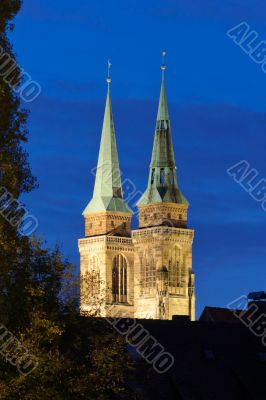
(163, 67)
(108, 80)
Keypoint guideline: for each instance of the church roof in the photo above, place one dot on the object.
(107, 195)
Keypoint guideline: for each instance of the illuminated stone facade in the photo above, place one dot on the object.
(144, 273)
(163, 293)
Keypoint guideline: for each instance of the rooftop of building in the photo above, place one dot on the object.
(214, 360)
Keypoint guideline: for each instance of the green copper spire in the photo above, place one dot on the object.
(107, 195)
(162, 185)
(163, 114)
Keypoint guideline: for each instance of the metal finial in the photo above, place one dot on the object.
(163, 67)
(108, 80)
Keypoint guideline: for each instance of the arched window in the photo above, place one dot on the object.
(119, 279)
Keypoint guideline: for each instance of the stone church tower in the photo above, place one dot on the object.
(164, 281)
(146, 273)
(106, 254)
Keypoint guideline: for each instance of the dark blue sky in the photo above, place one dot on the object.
(216, 96)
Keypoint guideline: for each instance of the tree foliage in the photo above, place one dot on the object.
(78, 357)
(15, 170)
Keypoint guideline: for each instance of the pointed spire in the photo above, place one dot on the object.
(163, 114)
(108, 80)
(107, 195)
(162, 184)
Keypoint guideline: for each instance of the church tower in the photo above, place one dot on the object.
(146, 273)
(164, 281)
(106, 252)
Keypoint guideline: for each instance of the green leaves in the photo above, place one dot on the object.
(78, 357)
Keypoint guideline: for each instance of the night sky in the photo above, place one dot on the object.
(216, 97)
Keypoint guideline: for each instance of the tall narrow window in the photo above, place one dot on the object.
(148, 272)
(162, 176)
(152, 176)
(172, 177)
(119, 279)
(176, 272)
(123, 281)
(115, 282)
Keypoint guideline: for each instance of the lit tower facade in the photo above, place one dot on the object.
(106, 252)
(164, 281)
(146, 273)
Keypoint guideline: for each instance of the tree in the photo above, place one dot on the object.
(77, 357)
(15, 170)
(15, 173)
